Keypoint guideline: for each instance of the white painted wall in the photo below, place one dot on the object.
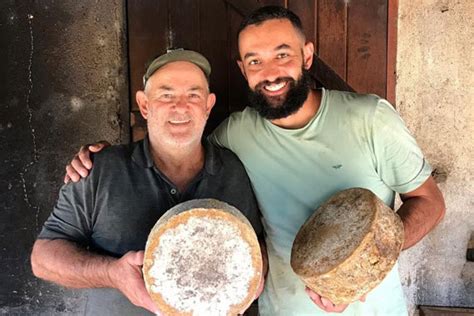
(435, 93)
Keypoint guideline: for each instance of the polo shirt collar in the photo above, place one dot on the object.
(141, 155)
(213, 163)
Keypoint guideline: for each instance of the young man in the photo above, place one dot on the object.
(300, 146)
(97, 231)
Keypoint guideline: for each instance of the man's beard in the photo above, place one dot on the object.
(273, 108)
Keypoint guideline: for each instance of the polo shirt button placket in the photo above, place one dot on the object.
(173, 191)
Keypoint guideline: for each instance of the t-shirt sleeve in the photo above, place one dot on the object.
(70, 218)
(220, 136)
(400, 162)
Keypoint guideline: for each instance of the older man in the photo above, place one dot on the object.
(97, 231)
(300, 146)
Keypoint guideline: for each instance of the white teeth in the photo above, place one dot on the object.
(275, 87)
(179, 122)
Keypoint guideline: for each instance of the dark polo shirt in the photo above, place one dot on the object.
(114, 208)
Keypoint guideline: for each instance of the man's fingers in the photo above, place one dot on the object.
(128, 279)
(324, 303)
(73, 175)
(143, 296)
(96, 147)
(327, 303)
(78, 167)
(85, 157)
(314, 297)
(82, 163)
(148, 304)
(143, 299)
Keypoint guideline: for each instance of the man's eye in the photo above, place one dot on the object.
(282, 55)
(194, 96)
(254, 62)
(167, 96)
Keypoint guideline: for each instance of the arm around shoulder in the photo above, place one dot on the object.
(81, 163)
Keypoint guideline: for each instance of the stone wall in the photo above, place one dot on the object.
(435, 93)
(63, 83)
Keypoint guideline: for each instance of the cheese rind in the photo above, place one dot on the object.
(348, 246)
(202, 258)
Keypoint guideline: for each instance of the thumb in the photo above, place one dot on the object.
(311, 294)
(136, 258)
(326, 302)
(96, 147)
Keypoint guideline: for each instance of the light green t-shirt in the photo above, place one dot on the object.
(353, 141)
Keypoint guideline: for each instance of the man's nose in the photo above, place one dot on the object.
(270, 72)
(181, 101)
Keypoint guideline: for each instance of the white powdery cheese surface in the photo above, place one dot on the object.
(202, 266)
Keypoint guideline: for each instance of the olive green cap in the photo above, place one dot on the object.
(178, 55)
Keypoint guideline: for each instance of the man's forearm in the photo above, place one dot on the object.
(421, 211)
(63, 262)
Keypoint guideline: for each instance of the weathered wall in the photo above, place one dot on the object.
(63, 84)
(435, 93)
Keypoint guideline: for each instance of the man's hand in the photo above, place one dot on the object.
(325, 304)
(81, 163)
(126, 276)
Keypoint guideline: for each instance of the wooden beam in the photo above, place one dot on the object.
(392, 50)
(328, 77)
(244, 7)
(445, 311)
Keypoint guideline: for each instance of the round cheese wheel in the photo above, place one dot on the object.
(348, 246)
(202, 258)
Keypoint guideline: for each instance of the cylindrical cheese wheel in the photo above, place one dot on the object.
(348, 246)
(202, 258)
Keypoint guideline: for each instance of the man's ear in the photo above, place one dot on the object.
(308, 52)
(142, 102)
(241, 67)
(211, 101)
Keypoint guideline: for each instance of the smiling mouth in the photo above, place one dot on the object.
(274, 87)
(179, 122)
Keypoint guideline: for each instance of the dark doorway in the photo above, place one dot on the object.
(354, 43)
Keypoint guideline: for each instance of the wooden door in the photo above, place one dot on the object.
(354, 43)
